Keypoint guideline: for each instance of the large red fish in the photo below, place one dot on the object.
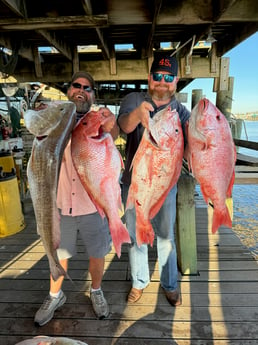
(212, 157)
(98, 163)
(156, 168)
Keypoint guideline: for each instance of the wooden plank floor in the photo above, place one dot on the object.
(220, 304)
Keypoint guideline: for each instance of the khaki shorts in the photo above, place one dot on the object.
(93, 231)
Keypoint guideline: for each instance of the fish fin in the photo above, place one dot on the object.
(129, 201)
(144, 233)
(205, 196)
(231, 184)
(119, 235)
(229, 204)
(57, 270)
(220, 217)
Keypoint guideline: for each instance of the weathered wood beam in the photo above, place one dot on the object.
(86, 4)
(26, 52)
(54, 23)
(17, 6)
(247, 144)
(149, 45)
(220, 7)
(241, 32)
(37, 63)
(112, 61)
(57, 42)
(76, 61)
(126, 70)
(88, 10)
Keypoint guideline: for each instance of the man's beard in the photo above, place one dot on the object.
(81, 106)
(161, 95)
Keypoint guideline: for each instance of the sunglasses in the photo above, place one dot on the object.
(167, 77)
(84, 87)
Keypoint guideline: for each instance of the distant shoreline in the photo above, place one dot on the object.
(247, 118)
(250, 116)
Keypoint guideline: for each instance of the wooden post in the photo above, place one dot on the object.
(196, 96)
(186, 232)
(224, 99)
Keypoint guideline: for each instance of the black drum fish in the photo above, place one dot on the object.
(52, 127)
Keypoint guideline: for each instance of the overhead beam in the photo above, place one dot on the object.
(241, 32)
(220, 7)
(88, 10)
(37, 63)
(149, 44)
(54, 23)
(124, 70)
(16, 6)
(56, 42)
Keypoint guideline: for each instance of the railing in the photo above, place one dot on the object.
(246, 168)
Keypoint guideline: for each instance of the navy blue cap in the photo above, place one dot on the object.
(165, 63)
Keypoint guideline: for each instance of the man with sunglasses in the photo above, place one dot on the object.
(78, 213)
(135, 110)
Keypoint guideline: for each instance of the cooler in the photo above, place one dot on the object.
(11, 216)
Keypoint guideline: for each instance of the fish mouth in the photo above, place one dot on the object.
(100, 134)
(41, 137)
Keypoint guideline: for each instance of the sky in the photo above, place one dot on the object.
(243, 66)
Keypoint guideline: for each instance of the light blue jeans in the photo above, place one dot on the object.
(164, 225)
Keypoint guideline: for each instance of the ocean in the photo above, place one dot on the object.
(245, 198)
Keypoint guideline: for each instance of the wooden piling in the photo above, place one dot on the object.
(196, 96)
(186, 232)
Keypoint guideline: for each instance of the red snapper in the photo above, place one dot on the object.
(156, 168)
(212, 157)
(98, 164)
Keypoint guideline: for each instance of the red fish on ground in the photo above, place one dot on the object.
(98, 163)
(212, 157)
(156, 168)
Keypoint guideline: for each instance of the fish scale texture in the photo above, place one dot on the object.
(156, 169)
(98, 163)
(212, 157)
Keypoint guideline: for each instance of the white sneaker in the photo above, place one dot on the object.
(46, 311)
(99, 304)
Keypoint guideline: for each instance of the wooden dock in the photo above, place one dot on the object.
(220, 304)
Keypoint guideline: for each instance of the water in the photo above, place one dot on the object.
(245, 198)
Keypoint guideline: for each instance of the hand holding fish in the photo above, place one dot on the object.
(110, 119)
(143, 113)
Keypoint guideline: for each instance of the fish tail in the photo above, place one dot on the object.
(57, 270)
(221, 217)
(119, 236)
(144, 233)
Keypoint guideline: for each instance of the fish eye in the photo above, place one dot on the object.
(218, 117)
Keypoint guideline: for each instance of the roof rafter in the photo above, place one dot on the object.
(65, 22)
(57, 42)
(17, 6)
(88, 10)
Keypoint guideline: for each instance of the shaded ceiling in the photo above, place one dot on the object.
(47, 41)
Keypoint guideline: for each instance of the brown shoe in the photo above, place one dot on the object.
(134, 295)
(174, 297)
